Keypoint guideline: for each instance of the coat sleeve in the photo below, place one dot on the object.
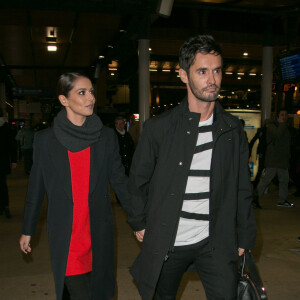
(35, 192)
(141, 171)
(117, 177)
(246, 224)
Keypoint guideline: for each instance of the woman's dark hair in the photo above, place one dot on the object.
(199, 44)
(66, 83)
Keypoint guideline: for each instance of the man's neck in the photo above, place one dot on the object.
(204, 108)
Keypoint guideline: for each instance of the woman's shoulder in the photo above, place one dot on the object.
(43, 134)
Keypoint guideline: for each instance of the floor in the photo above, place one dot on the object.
(277, 252)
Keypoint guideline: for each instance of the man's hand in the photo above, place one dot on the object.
(241, 251)
(140, 235)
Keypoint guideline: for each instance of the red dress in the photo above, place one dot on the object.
(80, 251)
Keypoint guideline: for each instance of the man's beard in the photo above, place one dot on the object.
(201, 95)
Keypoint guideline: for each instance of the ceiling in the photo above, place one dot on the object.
(85, 31)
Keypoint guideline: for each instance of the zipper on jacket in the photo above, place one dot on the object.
(171, 247)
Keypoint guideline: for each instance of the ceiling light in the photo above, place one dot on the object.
(166, 70)
(245, 53)
(152, 70)
(228, 73)
(112, 74)
(252, 74)
(241, 73)
(101, 56)
(239, 78)
(150, 49)
(52, 48)
(110, 46)
(112, 69)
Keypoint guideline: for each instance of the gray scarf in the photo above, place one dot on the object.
(77, 138)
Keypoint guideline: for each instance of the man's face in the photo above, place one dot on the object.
(283, 116)
(120, 124)
(205, 76)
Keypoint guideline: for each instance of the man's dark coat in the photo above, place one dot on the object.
(162, 159)
(51, 174)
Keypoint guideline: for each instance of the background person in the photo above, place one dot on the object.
(277, 158)
(126, 144)
(190, 204)
(74, 163)
(8, 160)
(25, 138)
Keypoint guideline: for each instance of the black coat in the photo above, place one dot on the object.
(51, 174)
(162, 159)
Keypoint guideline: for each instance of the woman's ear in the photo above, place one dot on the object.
(63, 100)
(183, 76)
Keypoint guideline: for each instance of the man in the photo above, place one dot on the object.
(190, 186)
(25, 137)
(126, 145)
(277, 158)
(134, 130)
(8, 159)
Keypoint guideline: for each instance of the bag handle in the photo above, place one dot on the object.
(248, 260)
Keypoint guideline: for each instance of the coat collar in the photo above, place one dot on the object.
(223, 121)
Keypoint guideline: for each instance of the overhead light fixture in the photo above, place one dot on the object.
(153, 70)
(52, 48)
(252, 74)
(101, 56)
(150, 49)
(110, 46)
(241, 73)
(245, 53)
(166, 70)
(228, 73)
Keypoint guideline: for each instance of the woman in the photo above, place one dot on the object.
(74, 163)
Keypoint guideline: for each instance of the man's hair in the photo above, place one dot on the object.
(199, 44)
(280, 110)
(119, 118)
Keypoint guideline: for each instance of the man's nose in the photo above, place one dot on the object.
(211, 78)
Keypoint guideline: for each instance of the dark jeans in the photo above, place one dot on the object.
(177, 263)
(3, 191)
(79, 286)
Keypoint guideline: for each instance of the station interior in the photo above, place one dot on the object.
(103, 38)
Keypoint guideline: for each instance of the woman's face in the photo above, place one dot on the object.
(80, 102)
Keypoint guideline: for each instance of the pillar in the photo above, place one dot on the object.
(144, 80)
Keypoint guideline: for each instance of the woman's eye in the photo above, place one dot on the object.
(82, 93)
(92, 92)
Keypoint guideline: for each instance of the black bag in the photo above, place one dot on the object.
(250, 286)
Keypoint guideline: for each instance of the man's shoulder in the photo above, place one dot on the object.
(164, 118)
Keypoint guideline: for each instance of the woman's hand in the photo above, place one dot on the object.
(140, 235)
(241, 251)
(25, 243)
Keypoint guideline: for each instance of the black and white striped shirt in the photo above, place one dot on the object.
(194, 217)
